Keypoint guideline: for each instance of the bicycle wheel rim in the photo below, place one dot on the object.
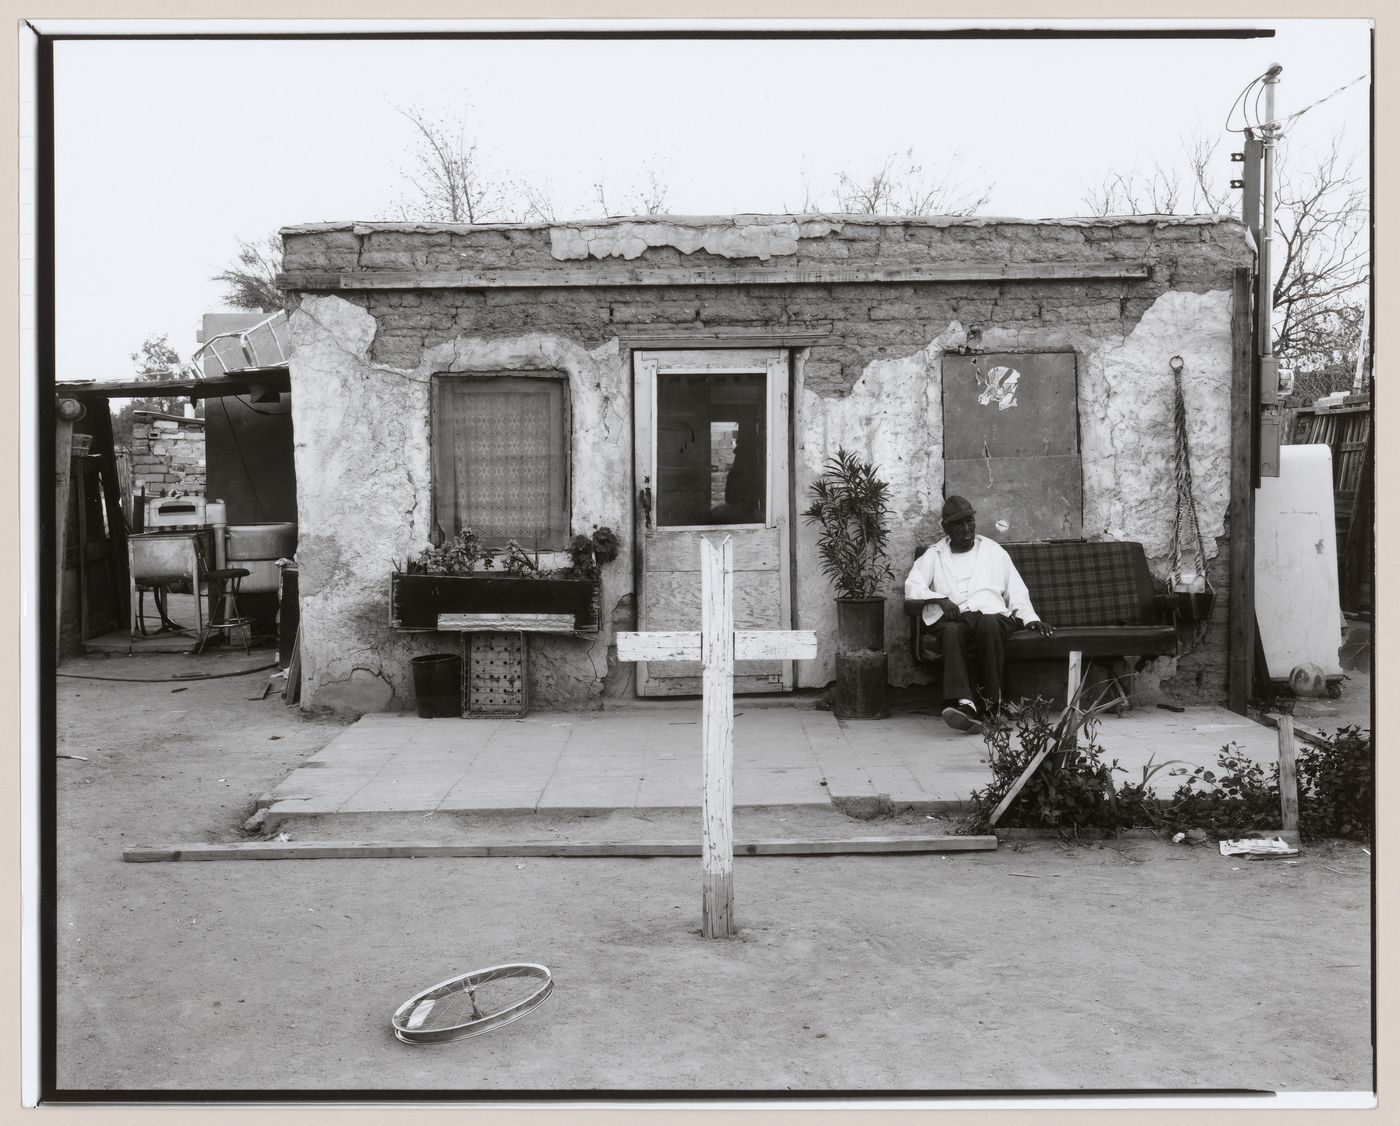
(408, 1019)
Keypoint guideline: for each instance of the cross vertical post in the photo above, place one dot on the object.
(717, 645)
(717, 735)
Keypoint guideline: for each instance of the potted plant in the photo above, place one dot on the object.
(462, 575)
(850, 506)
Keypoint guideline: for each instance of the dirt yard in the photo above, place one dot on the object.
(1134, 965)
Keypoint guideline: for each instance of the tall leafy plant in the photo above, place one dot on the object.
(850, 505)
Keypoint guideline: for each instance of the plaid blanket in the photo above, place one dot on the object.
(1087, 584)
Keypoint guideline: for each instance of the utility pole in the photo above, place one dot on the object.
(1270, 422)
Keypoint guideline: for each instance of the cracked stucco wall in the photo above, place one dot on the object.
(365, 500)
(872, 381)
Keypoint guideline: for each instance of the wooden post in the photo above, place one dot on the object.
(63, 473)
(717, 735)
(717, 646)
(104, 444)
(1076, 673)
(1287, 774)
(1240, 643)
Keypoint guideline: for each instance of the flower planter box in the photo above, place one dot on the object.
(415, 601)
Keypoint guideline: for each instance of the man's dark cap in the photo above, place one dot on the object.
(955, 508)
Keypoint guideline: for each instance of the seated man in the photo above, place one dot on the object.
(974, 599)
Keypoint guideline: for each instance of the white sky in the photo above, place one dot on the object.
(166, 153)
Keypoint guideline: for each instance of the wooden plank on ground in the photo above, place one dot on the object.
(363, 850)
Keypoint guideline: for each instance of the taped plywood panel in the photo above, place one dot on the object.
(1011, 443)
(1004, 404)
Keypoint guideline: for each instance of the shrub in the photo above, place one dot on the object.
(1336, 787)
(1236, 798)
(1072, 790)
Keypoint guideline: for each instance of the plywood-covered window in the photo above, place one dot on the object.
(501, 457)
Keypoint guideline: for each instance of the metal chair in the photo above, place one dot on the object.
(224, 615)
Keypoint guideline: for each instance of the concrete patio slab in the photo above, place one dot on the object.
(643, 757)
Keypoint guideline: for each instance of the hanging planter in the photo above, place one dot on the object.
(1195, 597)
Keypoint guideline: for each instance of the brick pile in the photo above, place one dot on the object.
(167, 453)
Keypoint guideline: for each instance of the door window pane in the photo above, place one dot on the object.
(711, 449)
(500, 458)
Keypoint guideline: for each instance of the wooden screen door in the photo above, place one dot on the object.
(1011, 443)
(711, 458)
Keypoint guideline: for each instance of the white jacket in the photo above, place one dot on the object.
(996, 587)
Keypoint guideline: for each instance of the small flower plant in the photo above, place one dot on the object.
(466, 554)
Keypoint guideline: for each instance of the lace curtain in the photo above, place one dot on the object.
(499, 463)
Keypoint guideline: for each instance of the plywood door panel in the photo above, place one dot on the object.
(674, 604)
(673, 601)
(755, 549)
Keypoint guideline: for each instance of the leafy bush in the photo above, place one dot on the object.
(1336, 786)
(1073, 789)
(1238, 798)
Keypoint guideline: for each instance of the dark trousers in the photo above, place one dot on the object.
(974, 655)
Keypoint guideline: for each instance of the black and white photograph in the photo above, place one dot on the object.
(690, 563)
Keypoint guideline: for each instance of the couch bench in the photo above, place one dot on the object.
(1099, 596)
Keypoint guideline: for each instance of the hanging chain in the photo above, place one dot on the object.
(1185, 495)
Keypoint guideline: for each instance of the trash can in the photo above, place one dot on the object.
(437, 685)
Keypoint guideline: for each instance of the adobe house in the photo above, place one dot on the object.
(638, 367)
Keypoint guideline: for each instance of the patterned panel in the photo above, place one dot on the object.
(497, 674)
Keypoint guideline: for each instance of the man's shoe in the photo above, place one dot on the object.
(961, 718)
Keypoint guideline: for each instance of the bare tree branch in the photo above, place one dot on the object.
(449, 184)
(901, 186)
(1321, 247)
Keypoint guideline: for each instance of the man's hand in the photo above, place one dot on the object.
(1045, 629)
(949, 608)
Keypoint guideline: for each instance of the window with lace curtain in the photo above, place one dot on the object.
(500, 457)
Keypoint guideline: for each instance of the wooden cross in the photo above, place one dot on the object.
(717, 646)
